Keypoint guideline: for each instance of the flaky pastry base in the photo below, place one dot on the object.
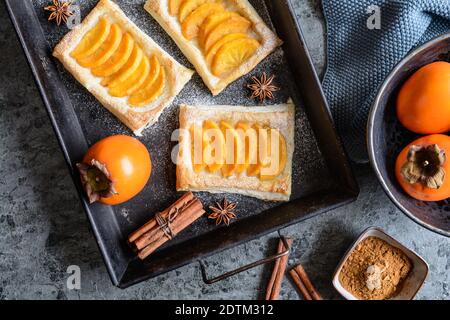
(137, 119)
(269, 42)
(281, 117)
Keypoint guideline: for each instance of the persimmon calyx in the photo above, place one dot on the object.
(425, 165)
(96, 180)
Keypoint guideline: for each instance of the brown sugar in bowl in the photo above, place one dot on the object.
(409, 281)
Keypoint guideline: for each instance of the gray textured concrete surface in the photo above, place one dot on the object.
(43, 228)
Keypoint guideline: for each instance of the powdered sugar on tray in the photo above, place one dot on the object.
(309, 171)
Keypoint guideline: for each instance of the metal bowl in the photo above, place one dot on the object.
(387, 137)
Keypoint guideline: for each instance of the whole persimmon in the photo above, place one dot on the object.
(115, 169)
(423, 104)
(422, 168)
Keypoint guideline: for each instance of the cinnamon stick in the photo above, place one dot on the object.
(301, 287)
(152, 235)
(156, 233)
(307, 282)
(180, 226)
(274, 286)
(152, 223)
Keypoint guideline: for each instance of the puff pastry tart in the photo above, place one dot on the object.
(244, 150)
(223, 39)
(121, 66)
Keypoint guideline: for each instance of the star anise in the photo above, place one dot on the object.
(223, 213)
(60, 11)
(262, 88)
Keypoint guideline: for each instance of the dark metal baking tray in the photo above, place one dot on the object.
(322, 178)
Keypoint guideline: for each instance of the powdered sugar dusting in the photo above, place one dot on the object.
(309, 170)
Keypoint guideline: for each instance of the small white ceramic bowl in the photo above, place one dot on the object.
(412, 283)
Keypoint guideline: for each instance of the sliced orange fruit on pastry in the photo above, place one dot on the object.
(214, 151)
(174, 7)
(262, 151)
(233, 54)
(147, 71)
(149, 93)
(211, 22)
(277, 163)
(231, 25)
(187, 6)
(93, 39)
(127, 70)
(155, 69)
(106, 50)
(133, 82)
(213, 50)
(197, 144)
(249, 139)
(119, 58)
(233, 149)
(191, 25)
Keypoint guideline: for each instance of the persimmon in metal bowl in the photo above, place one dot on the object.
(387, 137)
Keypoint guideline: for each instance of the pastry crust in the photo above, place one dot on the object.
(279, 117)
(137, 119)
(269, 42)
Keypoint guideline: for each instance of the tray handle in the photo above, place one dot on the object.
(246, 267)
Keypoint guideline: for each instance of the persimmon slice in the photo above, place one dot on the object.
(133, 82)
(191, 25)
(106, 50)
(197, 144)
(233, 149)
(93, 39)
(127, 70)
(174, 7)
(213, 50)
(211, 22)
(214, 151)
(263, 146)
(232, 54)
(275, 169)
(187, 6)
(119, 58)
(234, 24)
(149, 94)
(155, 69)
(249, 138)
